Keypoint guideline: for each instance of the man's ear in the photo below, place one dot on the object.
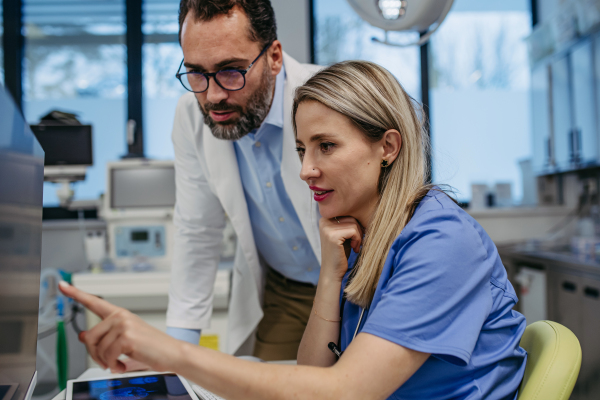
(275, 57)
(392, 143)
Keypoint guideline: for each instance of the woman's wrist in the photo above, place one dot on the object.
(330, 280)
(181, 351)
(328, 292)
(332, 275)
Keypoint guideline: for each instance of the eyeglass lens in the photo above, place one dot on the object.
(228, 79)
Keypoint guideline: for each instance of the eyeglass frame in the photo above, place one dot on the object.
(208, 75)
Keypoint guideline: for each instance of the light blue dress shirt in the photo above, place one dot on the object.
(278, 233)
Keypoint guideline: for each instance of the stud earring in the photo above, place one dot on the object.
(384, 163)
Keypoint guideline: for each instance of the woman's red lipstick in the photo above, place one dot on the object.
(324, 193)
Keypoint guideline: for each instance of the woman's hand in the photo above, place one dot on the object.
(122, 332)
(338, 236)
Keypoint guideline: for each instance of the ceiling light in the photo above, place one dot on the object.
(392, 9)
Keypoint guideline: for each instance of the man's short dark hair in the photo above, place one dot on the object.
(263, 28)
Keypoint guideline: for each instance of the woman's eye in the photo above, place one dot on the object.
(326, 146)
(300, 151)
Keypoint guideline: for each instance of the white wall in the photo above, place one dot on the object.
(293, 27)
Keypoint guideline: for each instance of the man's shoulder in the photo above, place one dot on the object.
(188, 117)
(312, 68)
(298, 73)
(188, 102)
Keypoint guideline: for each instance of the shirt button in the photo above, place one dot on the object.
(309, 269)
(257, 144)
(281, 219)
(295, 248)
(269, 184)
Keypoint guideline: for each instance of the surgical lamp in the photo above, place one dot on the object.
(423, 16)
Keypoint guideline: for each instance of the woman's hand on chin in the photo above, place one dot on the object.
(338, 236)
(122, 332)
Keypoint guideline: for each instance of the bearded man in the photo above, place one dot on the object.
(235, 155)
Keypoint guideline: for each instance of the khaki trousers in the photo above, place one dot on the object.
(287, 306)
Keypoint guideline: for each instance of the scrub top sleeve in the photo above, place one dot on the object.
(434, 293)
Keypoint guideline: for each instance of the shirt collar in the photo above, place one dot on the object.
(275, 115)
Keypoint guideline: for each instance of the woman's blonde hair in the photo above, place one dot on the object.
(372, 98)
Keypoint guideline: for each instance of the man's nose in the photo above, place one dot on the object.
(215, 93)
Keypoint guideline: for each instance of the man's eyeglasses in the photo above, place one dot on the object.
(228, 79)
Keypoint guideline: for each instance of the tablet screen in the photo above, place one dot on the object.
(149, 387)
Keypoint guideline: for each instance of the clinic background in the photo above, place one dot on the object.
(497, 92)
(76, 60)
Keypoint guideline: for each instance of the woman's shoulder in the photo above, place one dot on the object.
(439, 209)
(437, 199)
(440, 221)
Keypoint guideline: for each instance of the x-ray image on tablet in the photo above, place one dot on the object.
(132, 387)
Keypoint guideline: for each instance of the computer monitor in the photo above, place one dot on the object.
(21, 181)
(68, 150)
(143, 186)
(65, 144)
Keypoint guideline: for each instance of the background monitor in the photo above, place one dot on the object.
(65, 144)
(21, 181)
(148, 186)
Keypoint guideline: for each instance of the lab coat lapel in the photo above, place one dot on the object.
(297, 190)
(225, 177)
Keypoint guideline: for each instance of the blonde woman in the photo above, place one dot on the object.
(412, 290)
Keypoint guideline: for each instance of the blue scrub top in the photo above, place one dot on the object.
(443, 290)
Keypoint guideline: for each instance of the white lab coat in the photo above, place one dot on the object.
(208, 186)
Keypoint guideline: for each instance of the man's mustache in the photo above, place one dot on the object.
(222, 106)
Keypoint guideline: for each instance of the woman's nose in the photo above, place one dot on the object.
(309, 170)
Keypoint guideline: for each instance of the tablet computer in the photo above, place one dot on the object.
(131, 386)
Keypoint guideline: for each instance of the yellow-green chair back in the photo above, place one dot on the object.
(553, 362)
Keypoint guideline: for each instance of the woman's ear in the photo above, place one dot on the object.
(392, 143)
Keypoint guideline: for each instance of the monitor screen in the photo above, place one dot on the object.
(65, 144)
(144, 186)
(21, 181)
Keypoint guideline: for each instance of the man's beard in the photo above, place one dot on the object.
(257, 109)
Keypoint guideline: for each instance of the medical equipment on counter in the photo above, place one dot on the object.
(422, 16)
(56, 314)
(94, 243)
(138, 209)
(68, 147)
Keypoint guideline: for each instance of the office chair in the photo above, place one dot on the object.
(553, 362)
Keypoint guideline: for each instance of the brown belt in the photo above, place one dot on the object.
(285, 280)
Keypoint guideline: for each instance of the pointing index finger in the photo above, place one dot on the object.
(98, 306)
